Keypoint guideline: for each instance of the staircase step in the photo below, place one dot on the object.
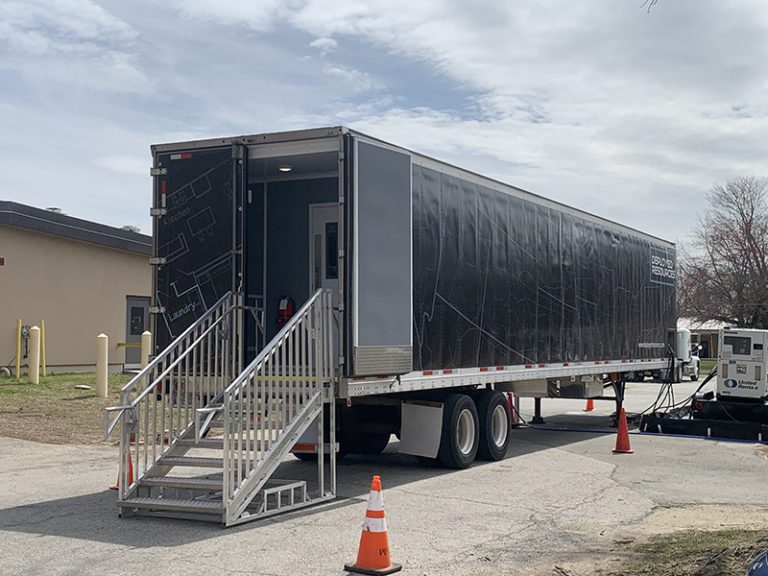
(216, 443)
(193, 461)
(175, 482)
(204, 506)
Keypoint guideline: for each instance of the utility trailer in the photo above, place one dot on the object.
(425, 292)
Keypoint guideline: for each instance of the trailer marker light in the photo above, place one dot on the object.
(184, 156)
(448, 371)
(285, 168)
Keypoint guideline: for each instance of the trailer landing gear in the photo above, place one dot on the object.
(537, 419)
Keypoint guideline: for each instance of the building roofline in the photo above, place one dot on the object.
(41, 220)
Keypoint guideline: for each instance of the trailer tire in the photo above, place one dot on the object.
(494, 425)
(460, 434)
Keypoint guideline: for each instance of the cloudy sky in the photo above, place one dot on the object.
(599, 104)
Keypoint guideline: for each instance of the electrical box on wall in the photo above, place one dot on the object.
(742, 364)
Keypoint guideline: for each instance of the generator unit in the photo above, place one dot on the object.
(743, 363)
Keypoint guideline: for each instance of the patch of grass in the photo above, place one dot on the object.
(706, 365)
(697, 553)
(54, 411)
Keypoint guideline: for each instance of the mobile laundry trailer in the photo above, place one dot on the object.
(319, 290)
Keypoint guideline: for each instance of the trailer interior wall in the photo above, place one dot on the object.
(504, 278)
(287, 240)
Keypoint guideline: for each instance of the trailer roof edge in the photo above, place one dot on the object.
(329, 132)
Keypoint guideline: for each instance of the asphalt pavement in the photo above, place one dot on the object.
(556, 494)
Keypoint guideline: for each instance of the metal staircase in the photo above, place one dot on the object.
(202, 438)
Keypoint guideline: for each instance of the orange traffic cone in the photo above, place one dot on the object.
(622, 436)
(116, 485)
(590, 405)
(373, 553)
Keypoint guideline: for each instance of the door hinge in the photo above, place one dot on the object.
(341, 360)
(158, 171)
(158, 211)
(341, 253)
(157, 309)
(157, 261)
(341, 307)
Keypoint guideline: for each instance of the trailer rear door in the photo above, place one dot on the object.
(198, 199)
(382, 278)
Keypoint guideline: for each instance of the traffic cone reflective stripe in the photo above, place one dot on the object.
(622, 435)
(590, 405)
(373, 552)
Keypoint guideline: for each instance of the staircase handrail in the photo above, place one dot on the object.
(242, 476)
(126, 404)
(295, 319)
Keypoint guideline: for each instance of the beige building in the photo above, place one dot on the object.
(81, 278)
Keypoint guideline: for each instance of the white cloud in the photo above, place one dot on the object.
(356, 80)
(60, 26)
(324, 44)
(599, 105)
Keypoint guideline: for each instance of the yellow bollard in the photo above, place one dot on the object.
(34, 355)
(146, 346)
(102, 364)
(43, 371)
(18, 348)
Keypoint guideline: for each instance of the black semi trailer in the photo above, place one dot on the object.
(448, 288)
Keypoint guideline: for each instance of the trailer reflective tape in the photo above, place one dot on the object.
(448, 371)
(184, 156)
(427, 372)
(374, 525)
(499, 367)
(529, 365)
(483, 369)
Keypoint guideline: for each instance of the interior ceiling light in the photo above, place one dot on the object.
(284, 168)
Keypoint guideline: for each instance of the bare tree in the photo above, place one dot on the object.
(648, 4)
(724, 274)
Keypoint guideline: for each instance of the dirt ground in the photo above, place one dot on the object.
(54, 411)
(703, 540)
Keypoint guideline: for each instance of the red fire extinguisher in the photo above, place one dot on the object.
(285, 311)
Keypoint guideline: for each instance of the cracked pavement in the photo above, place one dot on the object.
(556, 495)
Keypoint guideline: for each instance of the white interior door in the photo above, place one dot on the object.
(324, 249)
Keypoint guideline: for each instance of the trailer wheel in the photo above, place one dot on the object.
(460, 434)
(494, 425)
